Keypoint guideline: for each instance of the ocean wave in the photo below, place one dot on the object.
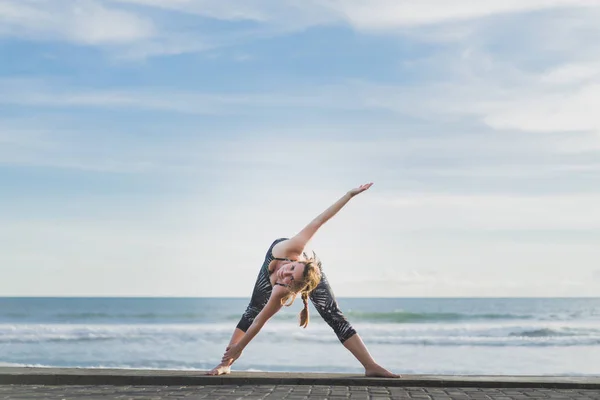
(128, 317)
(466, 334)
(395, 317)
(167, 366)
(106, 317)
(412, 317)
(60, 338)
(22, 365)
(556, 332)
(15, 315)
(40, 333)
(489, 341)
(407, 317)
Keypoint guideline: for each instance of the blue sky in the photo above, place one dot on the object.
(153, 148)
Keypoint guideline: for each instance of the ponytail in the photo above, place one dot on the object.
(304, 312)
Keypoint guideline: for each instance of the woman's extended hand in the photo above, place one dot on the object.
(360, 189)
(232, 353)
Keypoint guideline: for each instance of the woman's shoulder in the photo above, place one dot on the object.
(282, 249)
(277, 245)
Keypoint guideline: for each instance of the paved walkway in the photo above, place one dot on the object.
(290, 392)
(131, 377)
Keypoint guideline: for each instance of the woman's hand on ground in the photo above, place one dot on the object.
(221, 369)
(232, 353)
(360, 189)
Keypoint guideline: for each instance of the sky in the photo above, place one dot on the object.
(157, 148)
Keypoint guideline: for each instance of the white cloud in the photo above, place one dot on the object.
(385, 14)
(435, 20)
(452, 283)
(77, 144)
(38, 93)
(81, 21)
(571, 73)
(68, 145)
(289, 13)
(501, 109)
(492, 212)
(573, 110)
(102, 22)
(377, 14)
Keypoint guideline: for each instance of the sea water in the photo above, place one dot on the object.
(482, 336)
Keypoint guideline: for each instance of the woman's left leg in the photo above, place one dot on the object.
(326, 305)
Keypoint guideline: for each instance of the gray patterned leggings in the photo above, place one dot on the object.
(326, 305)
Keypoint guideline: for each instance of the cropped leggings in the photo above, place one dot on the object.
(322, 298)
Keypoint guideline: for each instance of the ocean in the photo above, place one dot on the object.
(474, 336)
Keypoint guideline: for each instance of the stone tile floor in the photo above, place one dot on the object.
(290, 392)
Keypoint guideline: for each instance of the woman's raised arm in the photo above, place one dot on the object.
(297, 243)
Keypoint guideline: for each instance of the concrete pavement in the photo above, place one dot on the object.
(129, 377)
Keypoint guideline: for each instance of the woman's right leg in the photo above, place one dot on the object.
(325, 303)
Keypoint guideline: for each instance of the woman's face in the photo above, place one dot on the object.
(291, 273)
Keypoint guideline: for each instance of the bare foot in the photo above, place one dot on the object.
(378, 371)
(220, 370)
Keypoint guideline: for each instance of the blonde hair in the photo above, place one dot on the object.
(311, 279)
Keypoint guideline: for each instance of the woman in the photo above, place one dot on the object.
(287, 272)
